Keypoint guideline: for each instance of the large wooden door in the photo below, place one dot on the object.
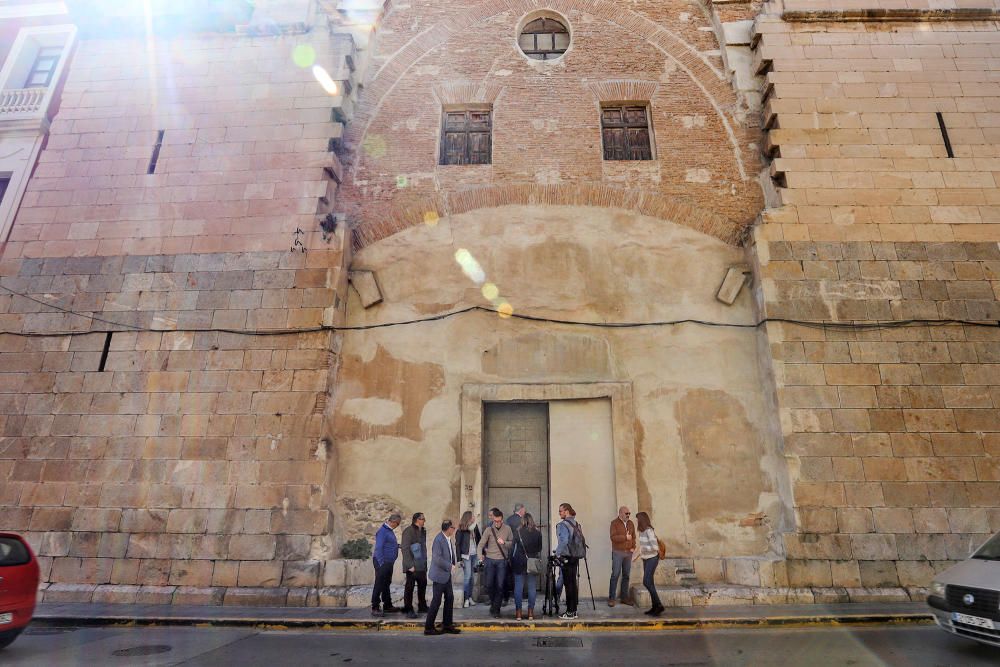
(516, 460)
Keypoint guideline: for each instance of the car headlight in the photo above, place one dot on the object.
(937, 588)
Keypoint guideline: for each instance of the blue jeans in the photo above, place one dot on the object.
(520, 581)
(621, 565)
(469, 570)
(648, 569)
(496, 572)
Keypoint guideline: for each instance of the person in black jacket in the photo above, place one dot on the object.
(414, 547)
(525, 561)
(466, 540)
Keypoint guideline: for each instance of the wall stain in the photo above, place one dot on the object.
(722, 452)
(411, 385)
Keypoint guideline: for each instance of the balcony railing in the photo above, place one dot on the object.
(21, 101)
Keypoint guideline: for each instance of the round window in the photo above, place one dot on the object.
(544, 38)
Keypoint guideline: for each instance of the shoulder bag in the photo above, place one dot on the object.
(534, 564)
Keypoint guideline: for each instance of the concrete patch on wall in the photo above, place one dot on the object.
(722, 455)
(554, 357)
(374, 411)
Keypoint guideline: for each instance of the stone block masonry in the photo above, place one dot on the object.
(892, 434)
(156, 444)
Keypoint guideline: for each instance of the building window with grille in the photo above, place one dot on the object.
(466, 136)
(544, 39)
(626, 132)
(44, 67)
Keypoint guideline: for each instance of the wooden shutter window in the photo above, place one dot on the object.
(625, 131)
(466, 137)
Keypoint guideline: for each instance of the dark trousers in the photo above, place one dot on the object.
(441, 590)
(648, 569)
(420, 579)
(569, 571)
(383, 577)
(496, 572)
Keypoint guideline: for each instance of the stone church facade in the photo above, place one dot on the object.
(284, 267)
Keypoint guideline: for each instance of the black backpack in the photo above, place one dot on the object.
(577, 546)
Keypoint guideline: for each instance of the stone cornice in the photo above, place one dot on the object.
(890, 15)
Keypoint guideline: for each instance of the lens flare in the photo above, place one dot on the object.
(470, 267)
(490, 291)
(431, 218)
(505, 310)
(304, 55)
(329, 85)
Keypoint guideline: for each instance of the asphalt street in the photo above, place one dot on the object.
(911, 645)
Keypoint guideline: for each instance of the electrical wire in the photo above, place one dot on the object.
(815, 324)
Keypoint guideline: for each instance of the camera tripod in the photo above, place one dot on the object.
(550, 606)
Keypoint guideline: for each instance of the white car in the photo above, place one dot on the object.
(965, 598)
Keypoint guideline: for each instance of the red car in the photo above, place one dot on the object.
(18, 586)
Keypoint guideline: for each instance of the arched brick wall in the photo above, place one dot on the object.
(702, 176)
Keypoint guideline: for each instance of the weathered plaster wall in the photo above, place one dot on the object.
(697, 390)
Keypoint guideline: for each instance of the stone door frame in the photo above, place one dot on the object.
(622, 430)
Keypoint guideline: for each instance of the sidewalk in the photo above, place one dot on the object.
(621, 618)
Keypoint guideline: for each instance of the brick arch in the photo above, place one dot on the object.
(418, 211)
(711, 81)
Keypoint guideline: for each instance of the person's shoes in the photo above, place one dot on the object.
(467, 603)
(411, 614)
(433, 632)
(451, 630)
(377, 613)
(531, 614)
(568, 615)
(517, 615)
(629, 601)
(392, 610)
(472, 603)
(611, 602)
(657, 610)
(495, 613)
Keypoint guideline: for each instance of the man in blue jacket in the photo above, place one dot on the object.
(383, 558)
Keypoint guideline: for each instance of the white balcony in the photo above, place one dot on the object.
(22, 103)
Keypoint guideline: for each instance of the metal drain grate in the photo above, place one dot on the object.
(558, 642)
(149, 649)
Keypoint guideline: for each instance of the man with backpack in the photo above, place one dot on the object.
(572, 547)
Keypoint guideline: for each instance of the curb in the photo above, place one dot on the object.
(377, 625)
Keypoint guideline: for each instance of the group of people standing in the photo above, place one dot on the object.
(509, 554)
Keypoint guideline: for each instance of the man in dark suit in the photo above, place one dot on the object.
(443, 560)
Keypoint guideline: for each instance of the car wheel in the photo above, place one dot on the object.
(8, 636)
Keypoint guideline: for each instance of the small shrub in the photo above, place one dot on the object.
(359, 549)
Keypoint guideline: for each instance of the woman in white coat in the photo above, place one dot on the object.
(649, 551)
